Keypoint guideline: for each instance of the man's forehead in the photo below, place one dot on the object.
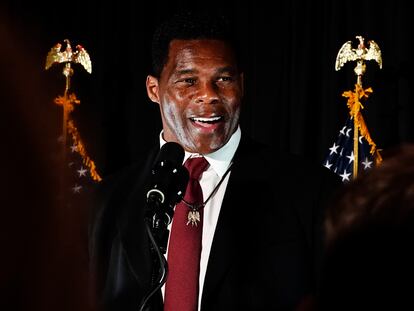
(187, 52)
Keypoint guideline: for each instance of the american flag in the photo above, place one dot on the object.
(81, 175)
(340, 158)
(79, 178)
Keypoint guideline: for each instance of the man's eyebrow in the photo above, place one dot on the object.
(227, 69)
(185, 71)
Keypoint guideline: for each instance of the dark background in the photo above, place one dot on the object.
(293, 93)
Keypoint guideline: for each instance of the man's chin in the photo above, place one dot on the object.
(208, 147)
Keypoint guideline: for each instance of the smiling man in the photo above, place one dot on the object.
(253, 241)
(199, 91)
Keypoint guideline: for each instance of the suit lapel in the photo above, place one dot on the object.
(223, 248)
(233, 214)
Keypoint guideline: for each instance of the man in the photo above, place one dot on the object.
(261, 237)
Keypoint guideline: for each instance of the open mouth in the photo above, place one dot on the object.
(211, 120)
(207, 123)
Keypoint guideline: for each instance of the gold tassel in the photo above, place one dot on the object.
(355, 106)
(68, 105)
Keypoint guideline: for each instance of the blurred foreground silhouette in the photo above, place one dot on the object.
(44, 259)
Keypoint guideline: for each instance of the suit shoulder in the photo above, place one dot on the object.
(110, 196)
(123, 179)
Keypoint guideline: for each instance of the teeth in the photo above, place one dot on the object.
(207, 119)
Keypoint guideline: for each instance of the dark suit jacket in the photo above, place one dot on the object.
(267, 246)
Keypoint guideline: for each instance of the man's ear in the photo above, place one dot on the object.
(152, 89)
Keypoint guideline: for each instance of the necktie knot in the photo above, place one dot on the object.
(196, 166)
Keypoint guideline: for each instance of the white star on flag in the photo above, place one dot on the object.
(342, 163)
(82, 171)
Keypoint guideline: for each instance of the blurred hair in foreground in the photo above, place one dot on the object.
(370, 233)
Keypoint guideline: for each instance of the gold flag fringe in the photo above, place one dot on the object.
(355, 106)
(68, 105)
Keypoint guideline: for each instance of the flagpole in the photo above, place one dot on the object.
(355, 164)
(67, 72)
(68, 102)
(360, 55)
(359, 70)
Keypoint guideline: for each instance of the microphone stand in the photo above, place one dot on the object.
(156, 227)
(159, 281)
(169, 183)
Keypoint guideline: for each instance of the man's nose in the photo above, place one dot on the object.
(207, 93)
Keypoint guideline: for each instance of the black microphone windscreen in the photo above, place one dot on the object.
(171, 152)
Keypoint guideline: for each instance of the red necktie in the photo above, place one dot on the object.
(184, 250)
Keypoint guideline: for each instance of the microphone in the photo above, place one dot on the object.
(168, 182)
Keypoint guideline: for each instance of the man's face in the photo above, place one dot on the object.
(199, 93)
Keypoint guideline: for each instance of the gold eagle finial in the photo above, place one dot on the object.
(56, 55)
(361, 54)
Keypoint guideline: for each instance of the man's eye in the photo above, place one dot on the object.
(224, 79)
(189, 80)
(186, 81)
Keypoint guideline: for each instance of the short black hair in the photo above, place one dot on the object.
(189, 25)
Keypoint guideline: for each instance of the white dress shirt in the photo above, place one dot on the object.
(219, 161)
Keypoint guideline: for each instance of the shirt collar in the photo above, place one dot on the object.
(220, 159)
